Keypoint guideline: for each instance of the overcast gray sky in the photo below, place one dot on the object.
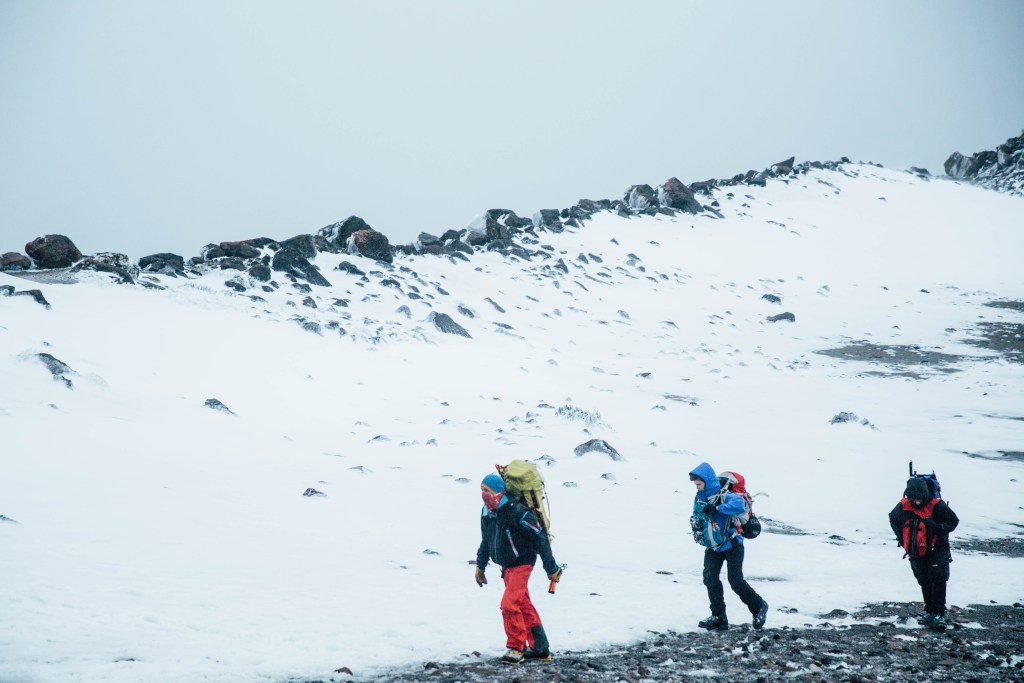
(144, 126)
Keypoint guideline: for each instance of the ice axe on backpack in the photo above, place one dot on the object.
(561, 570)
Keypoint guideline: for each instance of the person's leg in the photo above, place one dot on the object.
(531, 619)
(938, 575)
(716, 591)
(920, 569)
(739, 585)
(511, 610)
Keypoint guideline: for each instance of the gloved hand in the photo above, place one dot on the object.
(480, 578)
(931, 524)
(555, 576)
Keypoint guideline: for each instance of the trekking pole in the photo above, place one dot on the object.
(551, 586)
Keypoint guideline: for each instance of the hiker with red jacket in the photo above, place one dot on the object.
(922, 524)
(512, 538)
(714, 507)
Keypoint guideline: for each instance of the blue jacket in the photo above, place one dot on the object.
(729, 504)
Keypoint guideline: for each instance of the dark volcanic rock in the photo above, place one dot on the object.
(347, 267)
(239, 249)
(864, 646)
(167, 264)
(211, 251)
(771, 298)
(676, 195)
(597, 446)
(784, 167)
(53, 251)
(1001, 169)
(215, 404)
(99, 266)
(787, 316)
(12, 260)
(304, 244)
(260, 271)
(337, 234)
(372, 244)
(640, 197)
(444, 323)
(58, 368)
(36, 295)
(289, 260)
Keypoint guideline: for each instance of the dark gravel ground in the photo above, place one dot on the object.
(984, 644)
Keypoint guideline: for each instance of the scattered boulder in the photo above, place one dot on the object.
(771, 298)
(337, 234)
(787, 316)
(239, 249)
(371, 244)
(444, 323)
(290, 260)
(260, 271)
(36, 295)
(211, 251)
(165, 264)
(53, 251)
(676, 195)
(640, 197)
(90, 263)
(311, 493)
(597, 446)
(304, 244)
(12, 261)
(215, 404)
(6, 290)
(58, 368)
(348, 267)
(784, 167)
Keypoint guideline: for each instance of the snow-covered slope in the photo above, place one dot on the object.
(148, 537)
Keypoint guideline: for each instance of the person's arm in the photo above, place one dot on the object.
(482, 554)
(732, 505)
(945, 519)
(539, 538)
(894, 520)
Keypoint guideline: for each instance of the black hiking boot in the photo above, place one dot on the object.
(532, 655)
(716, 622)
(540, 650)
(938, 623)
(761, 616)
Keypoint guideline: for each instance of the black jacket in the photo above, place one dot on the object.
(945, 521)
(511, 537)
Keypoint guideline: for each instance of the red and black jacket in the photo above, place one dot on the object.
(916, 537)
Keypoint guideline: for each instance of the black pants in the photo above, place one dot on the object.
(716, 592)
(932, 572)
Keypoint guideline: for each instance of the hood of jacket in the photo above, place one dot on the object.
(917, 489)
(707, 473)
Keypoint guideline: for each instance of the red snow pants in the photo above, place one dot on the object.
(517, 611)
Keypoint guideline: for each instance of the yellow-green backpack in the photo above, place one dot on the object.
(523, 482)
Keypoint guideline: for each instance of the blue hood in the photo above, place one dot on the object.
(707, 473)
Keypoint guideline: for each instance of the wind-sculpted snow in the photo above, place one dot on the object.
(159, 539)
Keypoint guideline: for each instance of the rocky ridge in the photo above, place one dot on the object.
(1001, 169)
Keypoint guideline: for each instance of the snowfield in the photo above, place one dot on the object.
(147, 537)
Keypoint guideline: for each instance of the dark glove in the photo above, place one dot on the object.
(555, 576)
(931, 524)
(480, 578)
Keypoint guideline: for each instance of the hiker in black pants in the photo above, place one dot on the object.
(723, 546)
(922, 524)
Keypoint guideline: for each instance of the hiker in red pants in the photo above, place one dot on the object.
(512, 538)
